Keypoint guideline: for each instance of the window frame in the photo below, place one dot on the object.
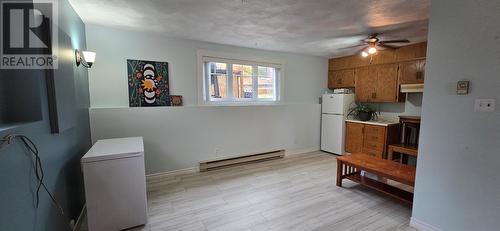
(204, 57)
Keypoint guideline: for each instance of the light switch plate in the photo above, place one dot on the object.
(485, 105)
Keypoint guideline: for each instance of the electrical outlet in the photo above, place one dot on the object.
(485, 105)
(216, 151)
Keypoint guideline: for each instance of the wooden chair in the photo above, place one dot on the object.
(410, 128)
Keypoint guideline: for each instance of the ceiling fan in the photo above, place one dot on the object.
(370, 44)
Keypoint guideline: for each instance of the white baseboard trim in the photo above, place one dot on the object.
(422, 226)
(173, 173)
(291, 152)
(78, 224)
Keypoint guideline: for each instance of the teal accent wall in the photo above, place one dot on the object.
(457, 185)
(60, 153)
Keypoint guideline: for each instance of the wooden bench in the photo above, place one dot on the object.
(350, 167)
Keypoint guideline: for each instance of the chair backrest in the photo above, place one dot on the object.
(410, 129)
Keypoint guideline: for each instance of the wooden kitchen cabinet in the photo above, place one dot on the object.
(370, 139)
(412, 72)
(377, 79)
(377, 84)
(347, 62)
(410, 52)
(354, 137)
(341, 79)
(384, 56)
(374, 140)
(365, 84)
(387, 90)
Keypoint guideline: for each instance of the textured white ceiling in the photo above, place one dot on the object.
(316, 27)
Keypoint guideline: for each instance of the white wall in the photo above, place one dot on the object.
(304, 76)
(177, 138)
(412, 106)
(457, 184)
(180, 137)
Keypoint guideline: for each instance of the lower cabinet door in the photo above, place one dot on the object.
(354, 137)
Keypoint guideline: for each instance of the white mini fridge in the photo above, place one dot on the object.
(334, 109)
(115, 184)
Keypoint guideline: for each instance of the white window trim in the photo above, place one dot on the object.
(202, 94)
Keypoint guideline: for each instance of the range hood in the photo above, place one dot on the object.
(411, 88)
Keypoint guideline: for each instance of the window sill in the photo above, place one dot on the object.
(252, 103)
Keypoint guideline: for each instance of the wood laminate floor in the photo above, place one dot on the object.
(294, 193)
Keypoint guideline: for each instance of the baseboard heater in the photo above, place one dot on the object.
(240, 160)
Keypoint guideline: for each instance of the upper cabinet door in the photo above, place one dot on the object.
(408, 72)
(377, 84)
(366, 80)
(412, 72)
(341, 79)
(387, 90)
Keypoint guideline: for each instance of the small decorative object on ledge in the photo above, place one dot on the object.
(148, 83)
(176, 100)
(363, 112)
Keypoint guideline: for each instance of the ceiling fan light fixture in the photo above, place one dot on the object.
(372, 50)
(364, 54)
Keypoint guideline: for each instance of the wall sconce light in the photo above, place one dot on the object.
(87, 60)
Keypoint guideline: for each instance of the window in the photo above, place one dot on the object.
(238, 81)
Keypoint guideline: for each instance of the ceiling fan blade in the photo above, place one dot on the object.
(353, 46)
(396, 41)
(387, 46)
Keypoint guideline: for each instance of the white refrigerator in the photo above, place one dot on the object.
(334, 109)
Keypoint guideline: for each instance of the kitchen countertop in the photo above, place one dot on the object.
(380, 121)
